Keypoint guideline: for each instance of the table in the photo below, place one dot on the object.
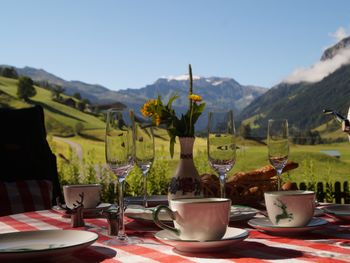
(331, 244)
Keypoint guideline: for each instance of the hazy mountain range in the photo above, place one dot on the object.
(217, 92)
(300, 97)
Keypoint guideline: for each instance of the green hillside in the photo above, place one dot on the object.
(60, 119)
(302, 103)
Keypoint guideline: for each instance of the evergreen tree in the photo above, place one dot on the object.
(56, 91)
(9, 72)
(77, 95)
(25, 88)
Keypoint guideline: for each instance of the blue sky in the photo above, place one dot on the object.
(129, 44)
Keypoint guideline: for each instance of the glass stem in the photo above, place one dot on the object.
(279, 181)
(145, 203)
(222, 179)
(121, 231)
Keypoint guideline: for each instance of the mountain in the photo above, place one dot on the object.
(329, 53)
(94, 93)
(213, 89)
(217, 92)
(302, 103)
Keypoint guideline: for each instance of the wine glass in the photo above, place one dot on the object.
(221, 145)
(144, 151)
(120, 157)
(278, 146)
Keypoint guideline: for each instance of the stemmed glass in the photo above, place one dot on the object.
(144, 151)
(120, 158)
(221, 145)
(278, 146)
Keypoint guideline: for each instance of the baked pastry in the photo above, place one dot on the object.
(245, 187)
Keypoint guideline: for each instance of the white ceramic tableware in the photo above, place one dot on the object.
(20, 246)
(232, 236)
(199, 219)
(92, 194)
(144, 215)
(290, 208)
(265, 224)
(341, 211)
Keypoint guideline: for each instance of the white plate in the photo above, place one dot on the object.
(44, 243)
(339, 211)
(266, 225)
(144, 215)
(232, 235)
(318, 212)
(152, 200)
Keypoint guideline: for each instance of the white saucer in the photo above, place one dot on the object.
(240, 213)
(232, 236)
(144, 215)
(339, 211)
(266, 225)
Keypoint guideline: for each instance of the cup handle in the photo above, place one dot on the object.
(160, 223)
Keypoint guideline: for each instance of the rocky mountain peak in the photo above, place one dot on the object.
(329, 53)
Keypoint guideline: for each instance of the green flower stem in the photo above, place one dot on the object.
(190, 101)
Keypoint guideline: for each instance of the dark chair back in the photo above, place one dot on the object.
(24, 151)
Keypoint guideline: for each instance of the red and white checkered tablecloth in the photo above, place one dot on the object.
(329, 244)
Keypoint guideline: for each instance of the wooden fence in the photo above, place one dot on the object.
(328, 192)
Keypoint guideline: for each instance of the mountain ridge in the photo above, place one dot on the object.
(302, 103)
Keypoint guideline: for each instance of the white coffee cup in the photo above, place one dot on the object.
(92, 194)
(290, 208)
(199, 219)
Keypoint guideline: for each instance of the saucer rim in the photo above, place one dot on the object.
(242, 236)
(322, 222)
(337, 213)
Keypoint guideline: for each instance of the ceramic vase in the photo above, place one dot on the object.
(185, 182)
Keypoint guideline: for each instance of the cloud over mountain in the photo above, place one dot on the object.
(321, 69)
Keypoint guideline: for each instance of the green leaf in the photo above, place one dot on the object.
(172, 145)
(171, 100)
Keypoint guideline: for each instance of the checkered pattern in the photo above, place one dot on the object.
(330, 244)
(23, 196)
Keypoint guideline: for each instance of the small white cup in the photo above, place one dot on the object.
(199, 219)
(290, 208)
(92, 194)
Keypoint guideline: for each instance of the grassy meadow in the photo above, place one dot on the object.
(314, 166)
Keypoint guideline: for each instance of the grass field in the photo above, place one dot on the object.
(313, 165)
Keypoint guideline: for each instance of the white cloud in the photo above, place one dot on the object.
(321, 69)
(340, 33)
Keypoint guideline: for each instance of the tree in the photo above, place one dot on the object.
(9, 72)
(77, 95)
(56, 91)
(25, 88)
(246, 131)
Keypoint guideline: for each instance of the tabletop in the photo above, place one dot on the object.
(329, 244)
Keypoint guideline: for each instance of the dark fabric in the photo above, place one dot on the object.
(24, 151)
(24, 196)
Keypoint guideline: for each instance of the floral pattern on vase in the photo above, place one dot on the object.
(185, 181)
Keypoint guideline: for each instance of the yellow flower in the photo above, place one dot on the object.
(147, 109)
(195, 98)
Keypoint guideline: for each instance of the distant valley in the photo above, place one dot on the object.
(218, 93)
(300, 101)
